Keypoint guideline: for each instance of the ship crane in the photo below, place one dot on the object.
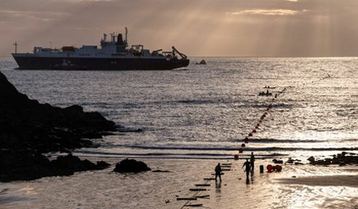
(183, 56)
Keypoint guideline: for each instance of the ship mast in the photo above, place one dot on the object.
(126, 35)
(15, 44)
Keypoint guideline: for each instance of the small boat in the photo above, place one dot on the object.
(267, 93)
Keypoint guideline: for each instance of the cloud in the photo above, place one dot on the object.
(43, 16)
(270, 12)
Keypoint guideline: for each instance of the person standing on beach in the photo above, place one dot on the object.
(218, 172)
(252, 161)
(247, 166)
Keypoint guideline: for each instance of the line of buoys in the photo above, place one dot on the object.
(269, 107)
(263, 116)
(246, 140)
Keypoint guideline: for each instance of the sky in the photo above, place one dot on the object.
(291, 28)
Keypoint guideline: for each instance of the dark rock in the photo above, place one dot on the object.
(161, 171)
(130, 165)
(73, 163)
(29, 166)
(102, 164)
(277, 161)
(31, 128)
(311, 159)
(129, 130)
(339, 159)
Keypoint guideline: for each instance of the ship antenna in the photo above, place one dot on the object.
(15, 44)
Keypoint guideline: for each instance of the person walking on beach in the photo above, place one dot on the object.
(218, 172)
(247, 166)
(252, 161)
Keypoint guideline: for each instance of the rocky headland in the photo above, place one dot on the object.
(29, 129)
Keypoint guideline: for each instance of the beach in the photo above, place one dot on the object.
(296, 186)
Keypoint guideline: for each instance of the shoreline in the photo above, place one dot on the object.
(323, 180)
(107, 189)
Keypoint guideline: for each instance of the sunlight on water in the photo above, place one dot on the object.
(205, 112)
(209, 109)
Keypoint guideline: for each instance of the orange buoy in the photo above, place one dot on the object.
(242, 145)
(241, 150)
(246, 140)
(269, 168)
(254, 131)
(278, 168)
(236, 157)
(250, 134)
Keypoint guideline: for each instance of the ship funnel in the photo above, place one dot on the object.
(120, 39)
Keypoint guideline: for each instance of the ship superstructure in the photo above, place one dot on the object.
(113, 54)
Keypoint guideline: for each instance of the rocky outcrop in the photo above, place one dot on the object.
(28, 129)
(131, 166)
(339, 159)
(28, 124)
(30, 166)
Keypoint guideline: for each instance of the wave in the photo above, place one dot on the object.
(168, 155)
(268, 140)
(246, 148)
(239, 103)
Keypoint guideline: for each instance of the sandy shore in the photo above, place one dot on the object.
(343, 180)
(302, 186)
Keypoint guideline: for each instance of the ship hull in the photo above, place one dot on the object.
(32, 62)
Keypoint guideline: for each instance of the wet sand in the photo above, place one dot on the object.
(312, 188)
(338, 180)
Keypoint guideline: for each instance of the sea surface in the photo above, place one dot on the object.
(206, 111)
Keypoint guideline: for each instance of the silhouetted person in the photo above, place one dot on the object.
(252, 161)
(218, 172)
(247, 166)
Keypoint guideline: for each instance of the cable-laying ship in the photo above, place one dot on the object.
(114, 54)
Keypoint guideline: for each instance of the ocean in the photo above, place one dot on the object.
(206, 111)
